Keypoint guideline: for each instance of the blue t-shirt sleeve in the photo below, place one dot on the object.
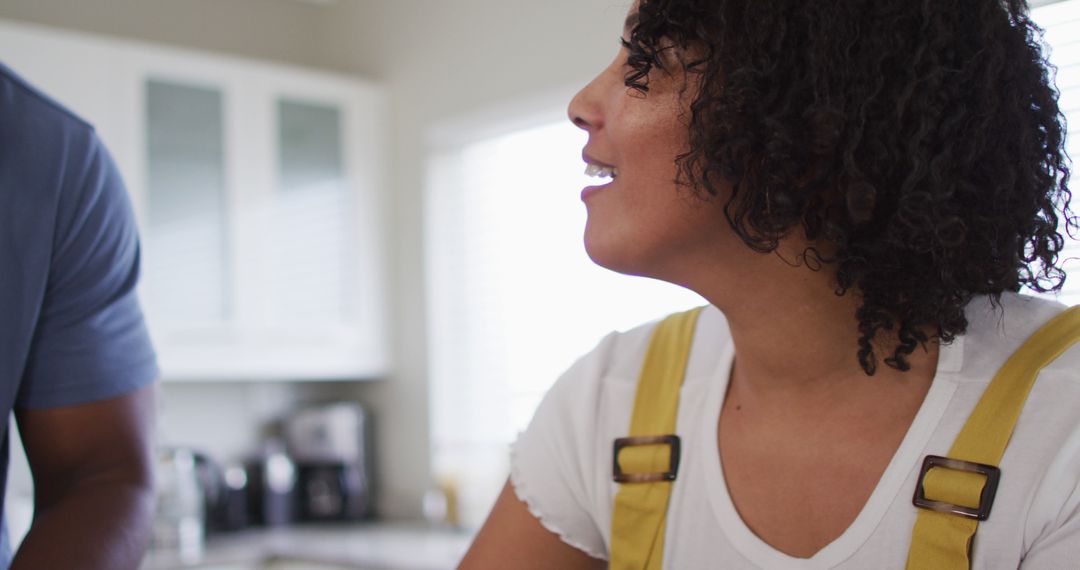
(90, 342)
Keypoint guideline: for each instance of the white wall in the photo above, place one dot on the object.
(280, 30)
(444, 62)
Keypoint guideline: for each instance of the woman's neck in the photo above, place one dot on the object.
(795, 338)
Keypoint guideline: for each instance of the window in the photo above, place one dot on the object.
(1061, 20)
(187, 270)
(311, 279)
(513, 298)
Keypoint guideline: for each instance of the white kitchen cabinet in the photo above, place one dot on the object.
(257, 190)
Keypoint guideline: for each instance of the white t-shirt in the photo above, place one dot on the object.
(561, 464)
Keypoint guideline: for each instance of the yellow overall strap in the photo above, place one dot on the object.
(957, 494)
(647, 462)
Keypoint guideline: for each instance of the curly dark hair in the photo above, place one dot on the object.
(920, 141)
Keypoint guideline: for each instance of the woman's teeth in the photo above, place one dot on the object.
(597, 171)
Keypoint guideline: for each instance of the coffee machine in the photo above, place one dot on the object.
(332, 447)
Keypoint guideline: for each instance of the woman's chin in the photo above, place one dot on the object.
(615, 255)
(605, 256)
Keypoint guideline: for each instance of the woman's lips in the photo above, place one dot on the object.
(590, 190)
(597, 169)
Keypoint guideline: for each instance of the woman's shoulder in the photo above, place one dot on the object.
(997, 330)
(607, 375)
(561, 464)
(619, 356)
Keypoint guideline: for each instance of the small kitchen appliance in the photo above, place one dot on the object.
(332, 447)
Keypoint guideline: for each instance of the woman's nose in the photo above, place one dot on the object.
(585, 110)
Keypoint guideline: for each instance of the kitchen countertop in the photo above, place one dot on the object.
(379, 546)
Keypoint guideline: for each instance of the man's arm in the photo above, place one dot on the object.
(93, 483)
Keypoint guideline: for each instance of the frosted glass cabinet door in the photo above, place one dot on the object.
(185, 261)
(311, 233)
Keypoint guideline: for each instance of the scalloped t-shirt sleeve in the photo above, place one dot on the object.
(553, 461)
(1058, 546)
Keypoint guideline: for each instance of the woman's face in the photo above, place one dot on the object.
(639, 221)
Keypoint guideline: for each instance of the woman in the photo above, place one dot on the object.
(859, 189)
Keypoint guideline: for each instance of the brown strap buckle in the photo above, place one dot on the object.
(986, 499)
(671, 441)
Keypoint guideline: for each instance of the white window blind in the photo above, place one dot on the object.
(1061, 21)
(513, 298)
(309, 271)
(187, 264)
(311, 277)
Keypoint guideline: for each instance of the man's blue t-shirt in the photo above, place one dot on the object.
(71, 330)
